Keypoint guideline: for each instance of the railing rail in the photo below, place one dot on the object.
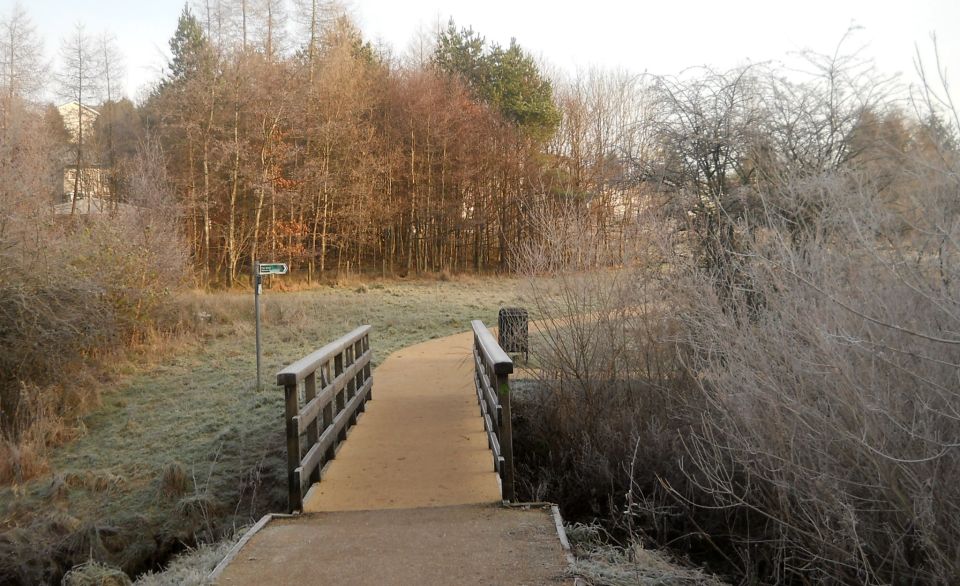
(492, 380)
(336, 384)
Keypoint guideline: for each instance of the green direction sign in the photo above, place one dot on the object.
(273, 268)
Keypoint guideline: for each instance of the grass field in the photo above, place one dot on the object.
(186, 449)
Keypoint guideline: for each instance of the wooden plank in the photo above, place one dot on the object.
(341, 379)
(235, 550)
(485, 380)
(495, 448)
(311, 461)
(493, 406)
(477, 360)
(483, 404)
(313, 408)
(297, 371)
(489, 397)
(562, 534)
(314, 456)
(502, 364)
(488, 424)
(310, 411)
(494, 443)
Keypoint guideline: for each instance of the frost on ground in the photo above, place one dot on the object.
(599, 562)
(190, 568)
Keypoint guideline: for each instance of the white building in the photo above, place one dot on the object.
(94, 180)
(72, 114)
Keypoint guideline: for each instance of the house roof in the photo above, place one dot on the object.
(86, 108)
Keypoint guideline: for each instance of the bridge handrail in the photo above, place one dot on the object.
(493, 368)
(345, 387)
(299, 370)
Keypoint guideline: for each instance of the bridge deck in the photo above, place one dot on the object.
(411, 497)
(420, 442)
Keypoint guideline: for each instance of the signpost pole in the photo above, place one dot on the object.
(257, 280)
(259, 270)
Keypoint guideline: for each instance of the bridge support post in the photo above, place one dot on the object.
(291, 409)
(506, 437)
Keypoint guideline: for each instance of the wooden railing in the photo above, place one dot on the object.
(341, 370)
(492, 378)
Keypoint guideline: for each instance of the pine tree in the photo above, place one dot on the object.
(506, 79)
(190, 49)
(520, 93)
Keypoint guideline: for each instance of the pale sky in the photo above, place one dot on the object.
(658, 36)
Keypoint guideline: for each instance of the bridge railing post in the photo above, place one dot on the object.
(291, 409)
(506, 437)
(309, 393)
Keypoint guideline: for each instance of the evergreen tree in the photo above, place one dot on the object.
(520, 93)
(506, 79)
(461, 52)
(191, 51)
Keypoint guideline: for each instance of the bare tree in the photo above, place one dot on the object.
(811, 118)
(21, 59)
(81, 80)
(271, 27)
(112, 72)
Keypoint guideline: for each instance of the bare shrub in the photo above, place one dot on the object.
(73, 291)
(173, 480)
(831, 410)
(790, 416)
(606, 372)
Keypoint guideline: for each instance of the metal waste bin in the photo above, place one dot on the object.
(513, 330)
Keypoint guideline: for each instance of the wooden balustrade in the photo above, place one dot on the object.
(492, 379)
(336, 383)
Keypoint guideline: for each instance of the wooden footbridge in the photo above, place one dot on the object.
(415, 487)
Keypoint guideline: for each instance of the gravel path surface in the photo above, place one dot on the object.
(420, 442)
(465, 544)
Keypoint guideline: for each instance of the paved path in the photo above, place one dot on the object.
(450, 546)
(412, 496)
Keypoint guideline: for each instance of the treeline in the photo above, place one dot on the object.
(328, 153)
(288, 137)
